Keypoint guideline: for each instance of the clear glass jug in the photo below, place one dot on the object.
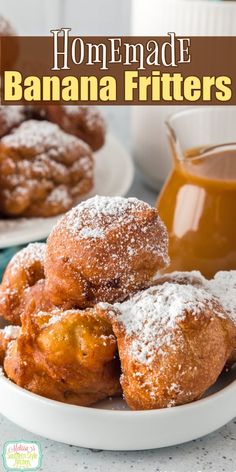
(198, 200)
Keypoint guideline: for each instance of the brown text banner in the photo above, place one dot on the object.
(118, 70)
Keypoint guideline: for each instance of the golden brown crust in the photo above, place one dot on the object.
(82, 121)
(36, 299)
(176, 347)
(66, 356)
(22, 272)
(43, 170)
(104, 250)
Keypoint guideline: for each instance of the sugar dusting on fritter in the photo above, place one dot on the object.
(32, 253)
(94, 216)
(99, 213)
(11, 115)
(151, 316)
(41, 135)
(223, 286)
(11, 332)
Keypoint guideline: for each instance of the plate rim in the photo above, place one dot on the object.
(96, 411)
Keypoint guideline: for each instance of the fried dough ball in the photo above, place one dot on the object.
(84, 122)
(8, 334)
(22, 272)
(43, 170)
(67, 356)
(223, 286)
(10, 117)
(103, 250)
(173, 343)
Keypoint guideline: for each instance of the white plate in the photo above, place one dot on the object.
(114, 172)
(110, 426)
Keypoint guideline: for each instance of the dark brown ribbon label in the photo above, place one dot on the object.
(168, 70)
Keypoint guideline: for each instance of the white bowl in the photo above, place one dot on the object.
(110, 425)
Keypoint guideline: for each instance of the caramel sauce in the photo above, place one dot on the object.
(198, 206)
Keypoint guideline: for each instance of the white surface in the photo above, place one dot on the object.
(111, 427)
(114, 174)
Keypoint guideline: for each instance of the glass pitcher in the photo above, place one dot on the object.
(198, 200)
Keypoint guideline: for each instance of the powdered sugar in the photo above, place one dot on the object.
(55, 316)
(71, 110)
(10, 116)
(87, 232)
(32, 253)
(41, 135)
(60, 195)
(223, 286)
(150, 317)
(99, 207)
(11, 332)
(96, 214)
